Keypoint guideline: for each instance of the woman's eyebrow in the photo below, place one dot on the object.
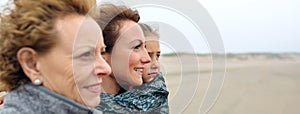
(136, 40)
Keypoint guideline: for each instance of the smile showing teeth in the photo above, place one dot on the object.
(138, 70)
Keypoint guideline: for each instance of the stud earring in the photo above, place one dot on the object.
(37, 82)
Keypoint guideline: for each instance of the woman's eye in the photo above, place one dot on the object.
(137, 47)
(157, 56)
(86, 55)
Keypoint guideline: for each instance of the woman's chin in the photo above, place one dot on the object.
(138, 83)
(93, 103)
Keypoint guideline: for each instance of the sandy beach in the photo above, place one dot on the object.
(254, 83)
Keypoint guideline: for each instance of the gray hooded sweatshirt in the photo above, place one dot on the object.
(31, 99)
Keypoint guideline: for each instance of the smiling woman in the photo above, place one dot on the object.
(125, 47)
(152, 96)
(127, 55)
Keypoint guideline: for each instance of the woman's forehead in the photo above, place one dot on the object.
(85, 33)
(131, 32)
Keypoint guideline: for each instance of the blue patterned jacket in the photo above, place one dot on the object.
(150, 98)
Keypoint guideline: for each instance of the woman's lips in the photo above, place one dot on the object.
(153, 73)
(95, 88)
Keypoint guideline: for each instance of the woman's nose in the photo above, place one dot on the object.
(145, 57)
(101, 67)
(154, 64)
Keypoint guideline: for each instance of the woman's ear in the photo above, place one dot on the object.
(27, 58)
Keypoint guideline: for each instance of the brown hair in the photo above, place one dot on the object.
(31, 23)
(110, 21)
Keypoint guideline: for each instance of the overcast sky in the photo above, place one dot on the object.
(245, 25)
(257, 25)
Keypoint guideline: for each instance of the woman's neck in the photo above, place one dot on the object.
(110, 85)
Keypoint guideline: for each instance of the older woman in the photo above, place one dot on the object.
(126, 54)
(50, 59)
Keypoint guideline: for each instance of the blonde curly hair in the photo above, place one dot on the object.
(30, 23)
